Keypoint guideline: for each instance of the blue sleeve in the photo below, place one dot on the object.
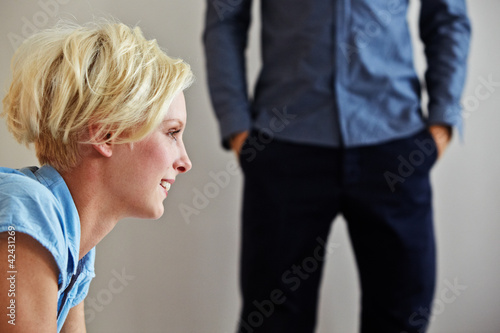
(225, 39)
(32, 209)
(445, 31)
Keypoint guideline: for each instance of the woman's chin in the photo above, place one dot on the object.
(152, 214)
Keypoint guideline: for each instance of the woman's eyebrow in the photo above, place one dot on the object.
(168, 121)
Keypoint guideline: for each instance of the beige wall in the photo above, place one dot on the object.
(179, 274)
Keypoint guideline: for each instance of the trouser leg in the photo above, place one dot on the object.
(290, 200)
(391, 230)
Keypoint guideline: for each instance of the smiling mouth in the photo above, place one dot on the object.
(166, 185)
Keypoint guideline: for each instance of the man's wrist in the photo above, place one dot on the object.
(236, 141)
(441, 134)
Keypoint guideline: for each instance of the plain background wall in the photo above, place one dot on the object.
(179, 274)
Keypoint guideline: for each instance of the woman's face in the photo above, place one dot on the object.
(145, 170)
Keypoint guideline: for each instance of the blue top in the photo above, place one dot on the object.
(37, 202)
(336, 72)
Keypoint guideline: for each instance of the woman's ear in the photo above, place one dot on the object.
(100, 141)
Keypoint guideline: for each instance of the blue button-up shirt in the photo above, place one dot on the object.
(37, 202)
(336, 73)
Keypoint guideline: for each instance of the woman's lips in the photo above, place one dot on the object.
(166, 185)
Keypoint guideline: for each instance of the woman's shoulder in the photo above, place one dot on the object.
(29, 207)
(20, 194)
(14, 182)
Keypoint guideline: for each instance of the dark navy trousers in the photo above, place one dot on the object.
(293, 192)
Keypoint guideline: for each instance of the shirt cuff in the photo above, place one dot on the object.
(231, 124)
(451, 116)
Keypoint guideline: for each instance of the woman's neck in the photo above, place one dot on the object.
(87, 186)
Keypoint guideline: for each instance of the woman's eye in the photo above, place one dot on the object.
(173, 134)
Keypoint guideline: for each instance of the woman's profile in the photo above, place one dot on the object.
(105, 111)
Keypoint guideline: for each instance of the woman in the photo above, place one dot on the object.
(105, 110)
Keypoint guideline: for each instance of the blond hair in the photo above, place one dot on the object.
(103, 74)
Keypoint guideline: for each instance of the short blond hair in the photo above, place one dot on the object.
(70, 77)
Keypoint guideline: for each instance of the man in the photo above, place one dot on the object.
(335, 125)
